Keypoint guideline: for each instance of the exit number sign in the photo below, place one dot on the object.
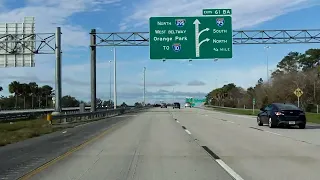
(216, 12)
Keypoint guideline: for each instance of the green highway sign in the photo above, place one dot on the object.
(217, 12)
(204, 37)
(195, 100)
(199, 100)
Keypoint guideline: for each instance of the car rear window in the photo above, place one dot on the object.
(287, 107)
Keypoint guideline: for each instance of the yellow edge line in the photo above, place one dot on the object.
(68, 153)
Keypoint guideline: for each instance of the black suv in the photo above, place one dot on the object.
(176, 105)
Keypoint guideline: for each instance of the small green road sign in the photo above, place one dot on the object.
(254, 101)
(217, 12)
(199, 100)
(204, 37)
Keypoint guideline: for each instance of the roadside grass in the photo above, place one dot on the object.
(21, 130)
(311, 117)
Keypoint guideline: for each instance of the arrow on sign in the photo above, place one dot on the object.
(196, 25)
(205, 40)
(197, 35)
(206, 29)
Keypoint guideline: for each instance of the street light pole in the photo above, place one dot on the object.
(115, 78)
(144, 86)
(267, 47)
(317, 66)
(110, 81)
(173, 95)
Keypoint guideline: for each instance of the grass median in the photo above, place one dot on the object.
(311, 117)
(12, 132)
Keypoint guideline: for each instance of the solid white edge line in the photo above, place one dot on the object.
(188, 131)
(178, 122)
(229, 170)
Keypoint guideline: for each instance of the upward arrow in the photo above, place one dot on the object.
(196, 22)
(196, 26)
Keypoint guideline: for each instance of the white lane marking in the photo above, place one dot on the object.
(273, 133)
(230, 121)
(126, 116)
(80, 125)
(178, 122)
(64, 132)
(206, 115)
(229, 170)
(188, 131)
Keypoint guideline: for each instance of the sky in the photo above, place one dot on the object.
(173, 80)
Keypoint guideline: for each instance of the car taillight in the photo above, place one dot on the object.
(279, 113)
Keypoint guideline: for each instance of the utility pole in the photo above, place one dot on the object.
(115, 78)
(144, 86)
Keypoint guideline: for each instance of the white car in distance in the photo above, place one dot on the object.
(187, 105)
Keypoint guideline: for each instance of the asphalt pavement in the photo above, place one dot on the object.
(151, 146)
(22, 157)
(256, 152)
(188, 144)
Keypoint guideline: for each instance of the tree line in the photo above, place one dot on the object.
(295, 70)
(26, 95)
(31, 96)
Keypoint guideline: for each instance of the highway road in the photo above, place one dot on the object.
(191, 144)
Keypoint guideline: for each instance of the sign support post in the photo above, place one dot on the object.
(58, 83)
(298, 92)
(93, 70)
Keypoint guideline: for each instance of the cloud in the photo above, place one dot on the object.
(50, 14)
(163, 84)
(132, 95)
(246, 13)
(196, 83)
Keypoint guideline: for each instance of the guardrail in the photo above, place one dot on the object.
(39, 110)
(256, 109)
(224, 107)
(31, 113)
(89, 116)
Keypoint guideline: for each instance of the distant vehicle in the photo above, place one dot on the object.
(277, 114)
(176, 105)
(187, 105)
(163, 105)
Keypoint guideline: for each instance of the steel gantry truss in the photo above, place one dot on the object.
(239, 37)
(38, 43)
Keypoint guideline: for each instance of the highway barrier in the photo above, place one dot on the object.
(90, 116)
(12, 115)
